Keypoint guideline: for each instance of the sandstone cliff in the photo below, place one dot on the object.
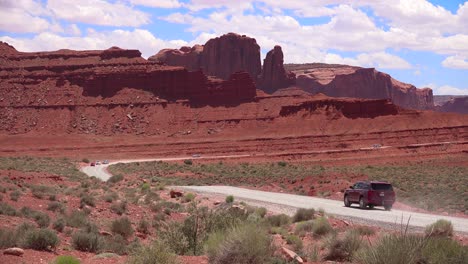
(455, 105)
(349, 81)
(274, 76)
(220, 57)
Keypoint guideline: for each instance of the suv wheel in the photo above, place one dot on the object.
(346, 201)
(371, 206)
(388, 207)
(362, 204)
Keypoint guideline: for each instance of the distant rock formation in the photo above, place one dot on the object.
(220, 57)
(104, 73)
(455, 105)
(274, 76)
(356, 82)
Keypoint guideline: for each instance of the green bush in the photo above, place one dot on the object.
(122, 226)
(242, 244)
(156, 253)
(343, 249)
(229, 199)
(145, 187)
(303, 214)
(76, 219)
(175, 239)
(413, 249)
(303, 227)
(88, 242)
(441, 228)
(116, 244)
(119, 207)
(115, 178)
(189, 197)
(6, 209)
(59, 224)
(143, 226)
(56, 206)
(278, 220)
(188, 162)
(41, 239)
(66, 260)
(42, 219)
(15, 195)
(7, 238)
(87, 200)
(295, 241)
(321, 226)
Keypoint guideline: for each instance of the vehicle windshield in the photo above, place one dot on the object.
(381, 187)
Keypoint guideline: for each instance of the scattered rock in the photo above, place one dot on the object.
(217, 202)
(14, 251)
(105, 233)
(175, 194)
(291, 255)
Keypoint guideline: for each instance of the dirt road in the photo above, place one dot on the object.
(100, 171)
(288, 203)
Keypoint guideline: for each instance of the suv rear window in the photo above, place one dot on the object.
(381, 187)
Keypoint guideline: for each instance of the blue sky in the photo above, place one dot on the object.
(421, 42)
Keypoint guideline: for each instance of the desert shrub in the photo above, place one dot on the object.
(188, 162)
(394, 249)
(282, 163)
(52, 197)
(1, 197)
(261, 211)
(66, 260)
(85, 160)
(241, 244)
(39, 191)
(76, 219)
(56, 206)
(278, 220)
(27, 212)
(41, 239)
(189, 197)
(229, 199)
(119, 207)
(303, 214)
(15, 195)
(156, 253)
(3, 189)
(312, 253)
(59, 224)
(143, 226)
(115, 178)
(151, 197)
(442, 228)
(444, 250)
(175, 239)
(365, 230)
(87, 200)
(116, 244)
(7, 238)
(295, 241)
(122, 226)
(303, 227)
(145, 187)
(88, 242)
(278, 230)
(22, 230)
(6, 209)
(321, 226)
(342, 249)
(42, 219)
(110, 197)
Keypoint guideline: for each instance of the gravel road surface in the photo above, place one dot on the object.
(288, 203)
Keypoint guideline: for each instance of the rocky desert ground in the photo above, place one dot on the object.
(214, 115)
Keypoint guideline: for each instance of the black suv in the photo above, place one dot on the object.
(370, 193)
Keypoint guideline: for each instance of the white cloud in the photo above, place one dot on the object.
(143, 40)
(379, 60)
(446, 89)
(158, 4)
(98, 12)
(22, 17)
(456, 62)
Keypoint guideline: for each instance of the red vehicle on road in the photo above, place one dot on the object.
(370, 193)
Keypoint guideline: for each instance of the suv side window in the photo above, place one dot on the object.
(365, 186)
(357, 185)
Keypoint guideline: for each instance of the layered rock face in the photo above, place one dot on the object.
(455, 105)
(274, 76)
(348, 81)
(220, 57)
(29, 77)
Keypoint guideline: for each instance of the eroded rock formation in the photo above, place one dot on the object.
(356, 82)
(455, 105)
(274, 76)
(220, 57)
